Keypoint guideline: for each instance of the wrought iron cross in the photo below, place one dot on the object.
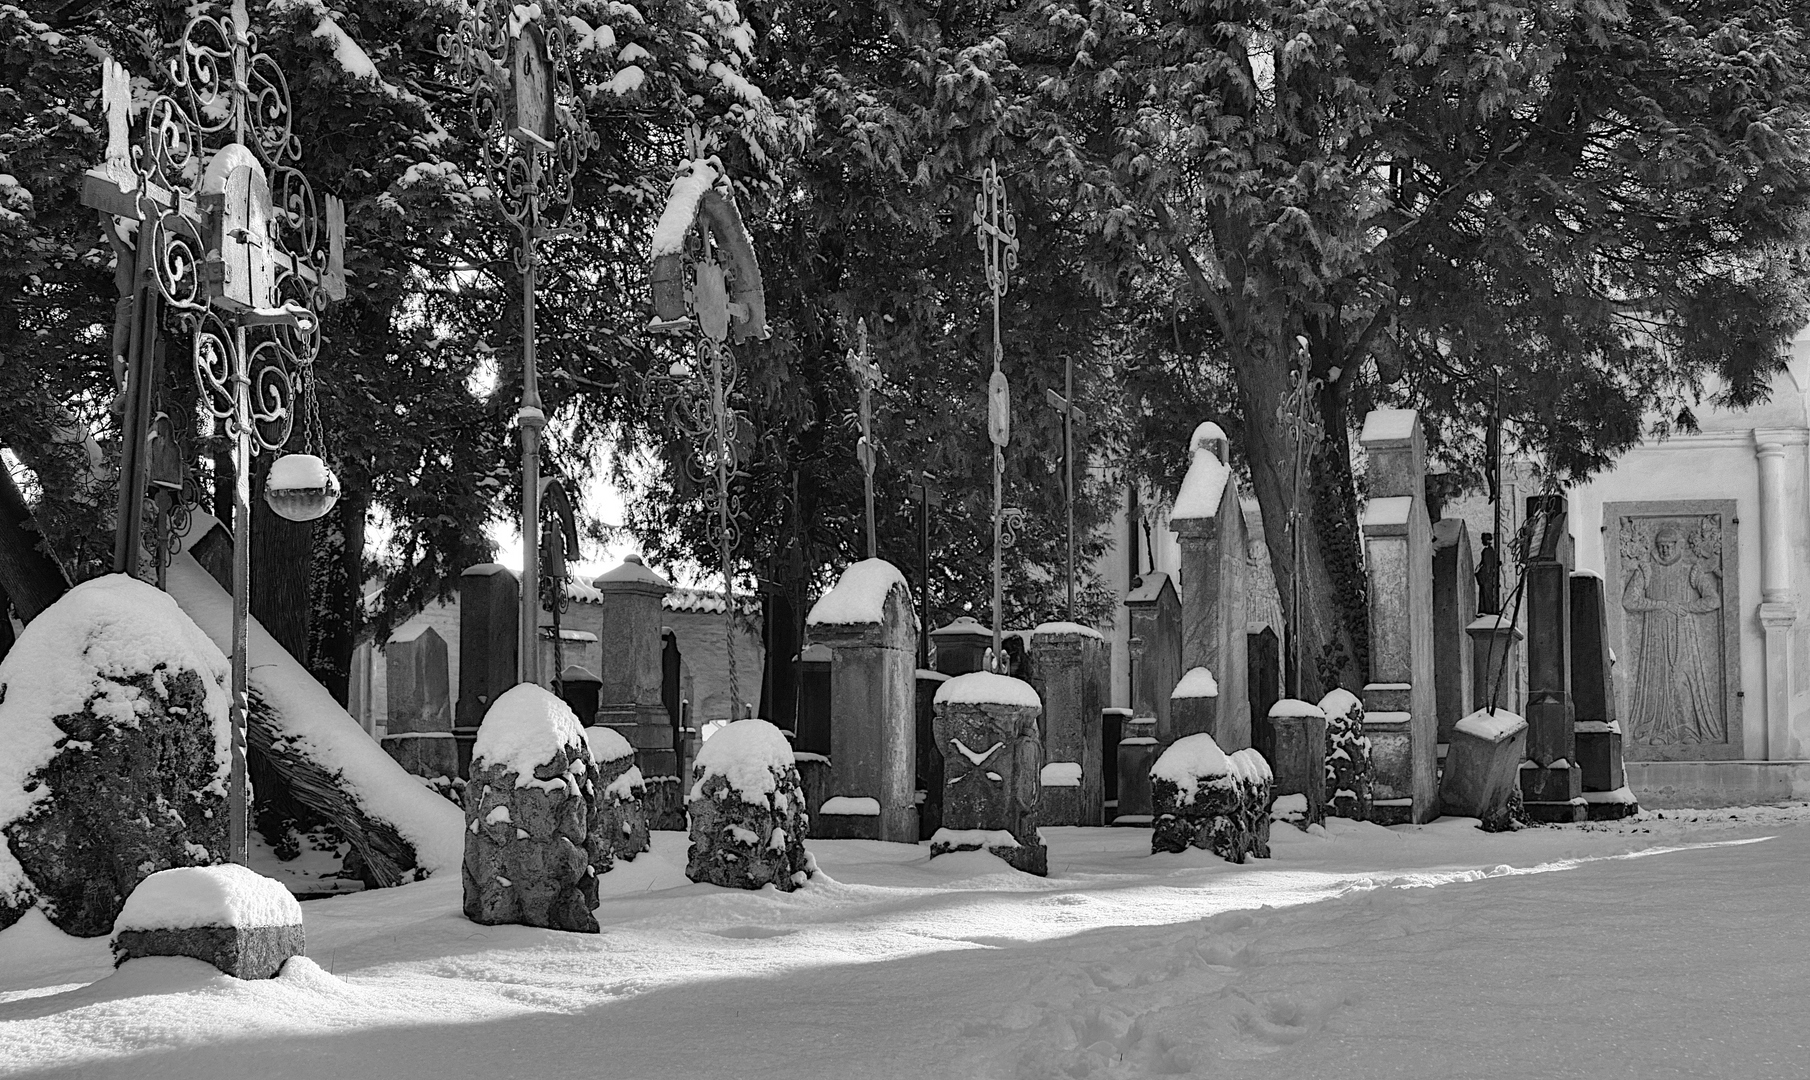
(1064, 403)
(867, 378)
(996, 233)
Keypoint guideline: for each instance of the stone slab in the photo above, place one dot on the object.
(244, 952)
(1674, 784)
(1299, 766)
(1137, 753)
(427, 754)
(1482, 776)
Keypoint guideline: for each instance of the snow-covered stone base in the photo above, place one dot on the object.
(748, 820)
(1610, 805)
(1203, 798)
(1350, 773)
(243, 923)
(1030, 858)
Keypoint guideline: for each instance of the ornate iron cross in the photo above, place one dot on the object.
(996, 233)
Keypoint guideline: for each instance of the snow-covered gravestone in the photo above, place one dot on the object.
(868, 623)
(1399, 701)
(1483, 769)
(230, 916)
(748, 817)
(530, 856)
(1206, 798)
(114, 752)
(1068, 665)
(618, 818)
(1300, 757)
(986, 729)
(1349, 772)
(1215, 573)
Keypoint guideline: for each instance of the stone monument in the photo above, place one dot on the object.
(1550, 780)
(1069, 669)
(1155, 613)
(630, 664)
(1599, 734)
(1299, 766)
(1454, 608)
(871, 629)
(1215, 573)
(986, 728)
(961, 646)
(489, 612)
(419, 729)
(1137, 753)
(747, 811)
(1400, 714)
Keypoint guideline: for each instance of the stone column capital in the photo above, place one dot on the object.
(1778, 615)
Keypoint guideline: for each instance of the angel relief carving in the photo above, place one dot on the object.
(1672, 597)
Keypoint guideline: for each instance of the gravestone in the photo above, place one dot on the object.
(1264, 652)
(986, 728)
(929, 763)
(1068, 669)
(1350, 775)
(1673, 590)
(747, 811)
(1206, 798)
(243, 923)
(630, 667)
(1551, 782)
(1495, 662)
(1112, 729)
(1400, 715)
(813, 735)
(1454, 607)
(578, 688)
(1482, 769)
(871, 629)
(1215, 574)
(1599, 735)
(961, 647)
(419, 720)
(1299, 762)
(489, 612)
(1138, 749)
(1154, 610)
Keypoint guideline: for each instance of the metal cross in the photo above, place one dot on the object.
(996, 233)
(928, 495)
(1064, 403)
(867, 378)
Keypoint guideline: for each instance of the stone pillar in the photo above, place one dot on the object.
(1299, 765)
(630, 667)
(1137, 753)
(1155, 613)
(1400, 712)
(1454, 606)
(1495, 655)
(1598, 734)
(1068, 665)
(1215, 573)
(871, 629)
(986, 728)
(419, 731)
(1778, 607)
(1551, 782)
(961, 647)
(813, 736)
(489, 610)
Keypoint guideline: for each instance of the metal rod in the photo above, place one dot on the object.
(1068, 458)
(532, 420)
(239, 788)
(924, 574)
(135, 441)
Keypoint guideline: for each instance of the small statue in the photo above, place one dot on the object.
(1489, 578)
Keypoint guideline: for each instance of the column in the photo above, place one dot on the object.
(1778, 608)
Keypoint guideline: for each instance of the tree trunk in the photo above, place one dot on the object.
(29, 577)
(282, 560)
(1332, 629)
(338, 594)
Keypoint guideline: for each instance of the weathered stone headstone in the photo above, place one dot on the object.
(1495, 662)
(1068, 669)
(961, 647)
(1482, 769)
(1454, 607)
(747, 811)
(1215, 574)
(1155, 613)
(871, 629)
(1264, 684)
(113, 719)
(618, 815)
(1599, 735)
(630, 666)
(986, 728)
(1400, 715)
(1551, 782)
(1350, 774)
(1208, 799)
(1299, 764)
(232, 917)
(929, 762)
(1193, 706)
(814, 701)
(530, 856)
(489, 612)
(1138, 750)
(1112, 729)
(419, 725)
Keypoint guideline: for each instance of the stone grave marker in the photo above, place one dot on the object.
(1068, 669)
(1551, 782)
(1454, 608)
(420, 724)
(986, 727)
(489, 612)
(871, 629)
(1299, 765)
(1482, 769)
(243, 923)
(1215, 574)
(929, 763)
(1138, 749)
(631, 671)
(1155, 613)
(1599, 734)
(1264, 652)
(1495, 662)
(1206, 798)
(747, 811)
(1400, 715)
(961, 647)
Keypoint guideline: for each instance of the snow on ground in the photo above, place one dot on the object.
(1669, 946)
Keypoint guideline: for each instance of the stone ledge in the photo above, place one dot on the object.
(1665, 785)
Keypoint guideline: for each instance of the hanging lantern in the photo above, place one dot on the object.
(300, 487)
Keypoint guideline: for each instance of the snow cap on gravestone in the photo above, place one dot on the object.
(1209, 471)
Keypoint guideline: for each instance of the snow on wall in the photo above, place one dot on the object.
(111, 627)
(860, 595)
(310, 719)
(190, 896)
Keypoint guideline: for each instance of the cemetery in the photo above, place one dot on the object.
(700, 540)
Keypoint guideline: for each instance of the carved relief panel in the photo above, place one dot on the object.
(1674, 594)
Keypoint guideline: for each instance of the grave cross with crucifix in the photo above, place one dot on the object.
(1064, 403)
(867, 377)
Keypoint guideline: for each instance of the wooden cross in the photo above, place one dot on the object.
(923, 488)
(867, 377)
(1064, 403)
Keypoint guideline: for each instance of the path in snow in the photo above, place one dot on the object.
(1659, 949)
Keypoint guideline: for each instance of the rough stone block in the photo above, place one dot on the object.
(1029, 858)
(663, 801)
(1069, 666)
(1137, 753)
(1299, 765)
(1483, 768)
(243, 923)
(748, 819)
(1203, 798)
(1350, 773)
(244, 952)
(986, 728)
